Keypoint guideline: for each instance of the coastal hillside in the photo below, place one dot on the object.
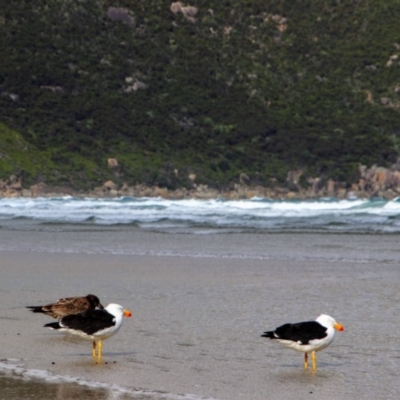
(175, 94)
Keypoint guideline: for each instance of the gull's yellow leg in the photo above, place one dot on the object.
(94, 350)
(305, 361)
(314, 360)
(100, 349)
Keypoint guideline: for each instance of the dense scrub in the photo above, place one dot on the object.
(256, 86)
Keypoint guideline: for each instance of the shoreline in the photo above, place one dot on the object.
(200, 192)
(373, 182)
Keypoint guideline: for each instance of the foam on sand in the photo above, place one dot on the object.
(15, 369)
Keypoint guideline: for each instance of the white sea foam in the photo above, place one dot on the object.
(199, 216)
(16, 369)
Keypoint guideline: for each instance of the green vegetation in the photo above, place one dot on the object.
(255, 86)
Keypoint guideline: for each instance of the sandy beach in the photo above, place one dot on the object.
(197, 319)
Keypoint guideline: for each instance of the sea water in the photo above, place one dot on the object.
(256, 215)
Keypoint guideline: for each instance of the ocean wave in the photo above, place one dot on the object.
(193, 216)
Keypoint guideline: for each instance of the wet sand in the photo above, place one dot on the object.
(197, 320)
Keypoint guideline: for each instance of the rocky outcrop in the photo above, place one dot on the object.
(373, 182)
(12, 187)
(41, 189)
(188, 12)
(112, 163)
(120, 14)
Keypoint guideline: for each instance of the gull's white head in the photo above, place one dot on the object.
(328, 321)
(116, 310)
